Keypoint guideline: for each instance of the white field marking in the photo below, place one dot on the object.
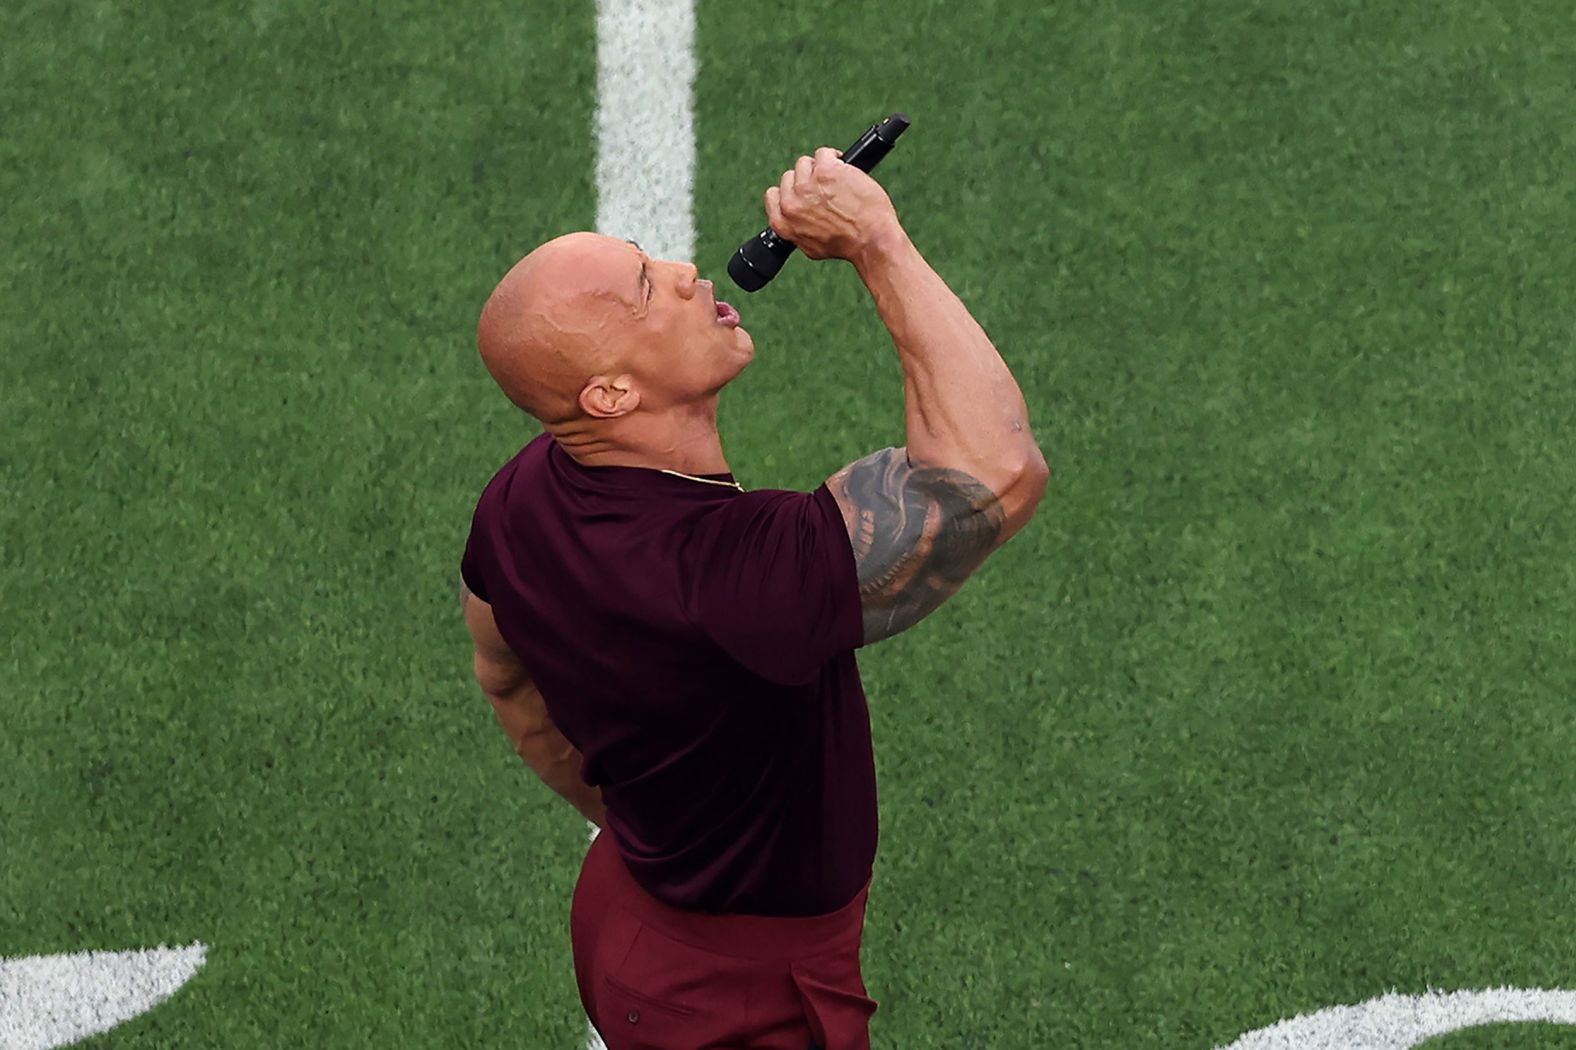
(1396, 1022)
(55, 1000)
(645, 134)
(593, 1039)
(645, 124)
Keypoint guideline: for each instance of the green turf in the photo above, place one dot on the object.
(1269, 710)
(245, 428)
(1507, 1037)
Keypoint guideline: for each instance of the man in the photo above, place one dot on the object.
(675, 655)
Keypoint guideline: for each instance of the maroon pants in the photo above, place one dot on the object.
(653, 977)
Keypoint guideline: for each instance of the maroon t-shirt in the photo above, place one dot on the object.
(696, 644)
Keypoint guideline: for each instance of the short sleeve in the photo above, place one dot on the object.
(772, 581)
(471, 564)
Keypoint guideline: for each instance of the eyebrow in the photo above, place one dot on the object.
(644, 279)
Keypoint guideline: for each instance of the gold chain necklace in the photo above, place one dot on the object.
(708, 481)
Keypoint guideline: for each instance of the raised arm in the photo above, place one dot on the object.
(922, 518)
(918, 533)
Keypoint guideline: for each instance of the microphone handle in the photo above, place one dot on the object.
(876, 143)
(759, 258)
(864, 154)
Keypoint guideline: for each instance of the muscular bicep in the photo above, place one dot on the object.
(918, 533)
(498, 670)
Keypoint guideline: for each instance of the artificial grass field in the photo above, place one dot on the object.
(1271, 708)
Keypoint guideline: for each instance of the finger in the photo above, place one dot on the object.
(785, 187)
(801, 173)
(827, 155)
(774, 211)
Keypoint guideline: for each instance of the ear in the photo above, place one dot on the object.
(608, 398)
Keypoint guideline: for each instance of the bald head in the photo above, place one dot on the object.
(560, 316)
(609, 347)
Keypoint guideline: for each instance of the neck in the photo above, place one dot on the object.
(684, 440)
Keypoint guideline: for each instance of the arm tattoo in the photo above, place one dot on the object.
(918, 533)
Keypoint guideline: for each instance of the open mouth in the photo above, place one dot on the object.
(727, 316)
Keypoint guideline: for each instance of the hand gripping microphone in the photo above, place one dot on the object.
(759, 258)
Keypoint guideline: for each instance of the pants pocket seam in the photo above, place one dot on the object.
(650, 1000)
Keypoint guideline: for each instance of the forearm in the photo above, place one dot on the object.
(963, 407)
(584, 797)
(557, 764)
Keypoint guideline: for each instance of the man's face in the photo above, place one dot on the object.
(679, 343)
(592, 319)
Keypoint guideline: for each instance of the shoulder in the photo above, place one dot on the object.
(771, 579)
(522, 466)
(768, 538)
(764, 513)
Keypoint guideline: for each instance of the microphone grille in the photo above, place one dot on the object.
(744, 275)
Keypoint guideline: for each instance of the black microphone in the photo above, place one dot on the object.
(759, 258)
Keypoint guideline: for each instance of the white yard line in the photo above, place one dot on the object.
(55, 1000)
(645, 136)
(1398, 1022)
(645, 124)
